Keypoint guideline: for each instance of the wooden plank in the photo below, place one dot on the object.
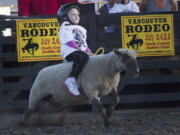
(177, 16)
(103, 20)
(148, 88)
(25, 83)
(160, 64)
(8, 24)
(19, 71)
(156, 79)
(177, 31)
(13, 18)
(9, 96)
(145, 98)
(8, 40)
(17, 86)
(92, 33)
(5, 57)
(19, 104)
(10, 56)
(87, 9)
(1, 63)
(141, 98)
(109, 36)
(177, 44)
(84, 20)
(137, 98)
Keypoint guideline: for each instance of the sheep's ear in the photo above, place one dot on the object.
(117, 52)
(126, 57)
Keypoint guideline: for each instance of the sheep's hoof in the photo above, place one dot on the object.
(27, 115)
(105, 117)
(109, 111)
(107, 123)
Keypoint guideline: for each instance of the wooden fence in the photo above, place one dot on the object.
(151, 86)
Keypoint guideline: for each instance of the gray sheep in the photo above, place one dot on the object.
(100, 76)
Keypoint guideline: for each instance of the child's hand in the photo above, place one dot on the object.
(78, 48)
(90, 54)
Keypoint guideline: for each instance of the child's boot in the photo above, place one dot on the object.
(72, 86)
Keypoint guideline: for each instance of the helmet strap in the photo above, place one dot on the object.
(70, 21)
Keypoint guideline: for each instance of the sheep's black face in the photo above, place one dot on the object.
(131, 64)
(128, 60)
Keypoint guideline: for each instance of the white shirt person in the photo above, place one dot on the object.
(127, 7)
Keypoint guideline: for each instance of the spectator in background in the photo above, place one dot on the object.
(106, 7)
(118, 6)
(158, 5)
(104, 10)
(125, 6)
(40, 7)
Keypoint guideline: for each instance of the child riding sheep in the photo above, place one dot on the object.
(73, 43)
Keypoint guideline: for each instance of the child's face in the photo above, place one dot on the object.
(73, 15)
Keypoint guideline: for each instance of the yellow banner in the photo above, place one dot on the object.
(149, 35)
(38, 40)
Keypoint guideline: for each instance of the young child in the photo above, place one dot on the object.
(73, 43)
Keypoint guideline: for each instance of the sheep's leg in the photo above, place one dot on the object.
(115, 97)
(57, 107)
(96, 101)
(50, 106)
(32, 108)
(27, 114)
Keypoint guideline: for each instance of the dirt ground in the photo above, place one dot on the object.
(124, 122)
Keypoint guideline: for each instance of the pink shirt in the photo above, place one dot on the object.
(40, 7)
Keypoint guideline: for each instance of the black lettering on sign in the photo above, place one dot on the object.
(24, 33)
(39, 32)
(34, 32)
(25, 25)
(52, 32)
(147, 28)
(129, 29)
(166, 27)
(43, 32)
(138, 28)
(157, 28)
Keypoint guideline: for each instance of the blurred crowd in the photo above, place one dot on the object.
(130, 6)
(50, 7)
(40, 7)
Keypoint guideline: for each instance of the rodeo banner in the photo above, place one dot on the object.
(148, 35)
(38, 40)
